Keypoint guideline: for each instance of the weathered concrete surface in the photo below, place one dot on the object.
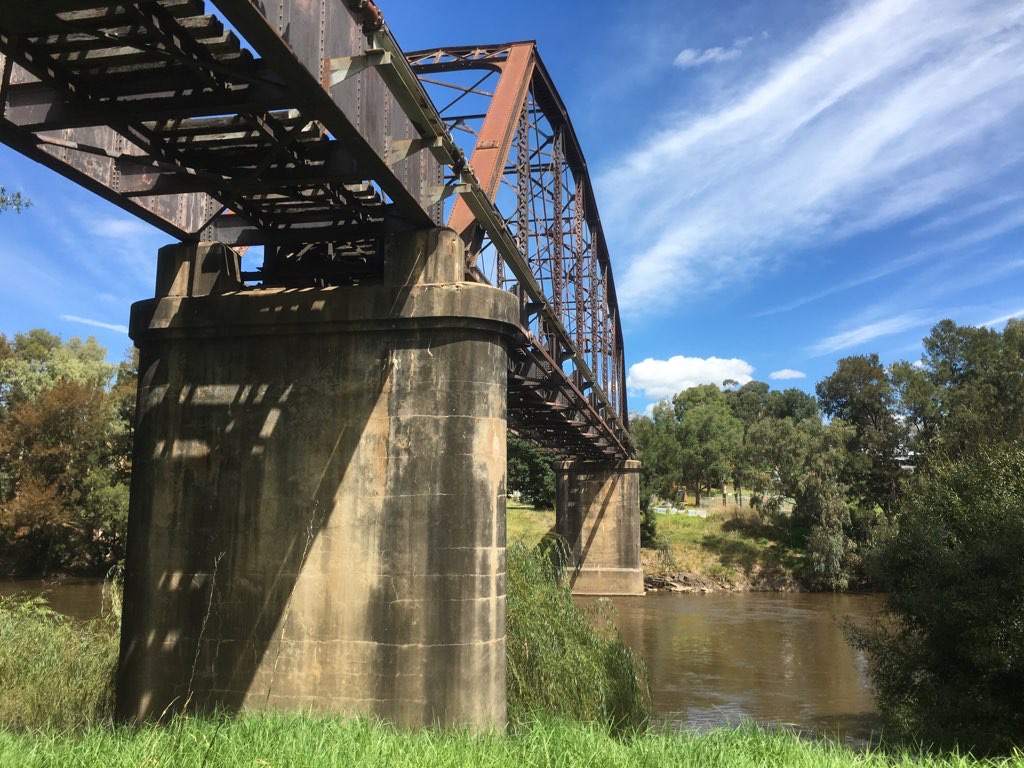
(317, 512)
(598, 514)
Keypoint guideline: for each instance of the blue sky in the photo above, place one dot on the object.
(781, 183)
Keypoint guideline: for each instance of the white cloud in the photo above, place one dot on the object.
(895, 108)
(787, 373)
(95, 323)
(690, 57)
(659, 379)
(867, 332)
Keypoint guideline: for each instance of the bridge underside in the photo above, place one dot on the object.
(317, 509)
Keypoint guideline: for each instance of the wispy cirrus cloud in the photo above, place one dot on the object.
(95, 323)
(868, 332)
(893, 109)
(1003, 318)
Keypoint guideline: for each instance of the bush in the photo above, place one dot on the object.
(947, 662)
(560, 661)
(54, 670)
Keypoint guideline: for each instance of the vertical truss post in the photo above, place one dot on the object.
(579, 263)
(523, 184)
(556, 231)
(606, 350)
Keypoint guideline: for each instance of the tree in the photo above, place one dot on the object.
(529, 471)
(709, 437)
(977, 376)
(794, 404)
(776, 455)
(13, 200)
(918, 404)
(947, 662)
(861, 393)
(64, 454)
(659, 452)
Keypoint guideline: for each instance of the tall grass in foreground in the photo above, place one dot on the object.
(561, 661)
(275, 740)
(54, 670)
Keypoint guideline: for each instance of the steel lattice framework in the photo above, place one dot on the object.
(313, 135)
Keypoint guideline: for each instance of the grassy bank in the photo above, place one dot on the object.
(526, 524)
(729, 547)
(305, 740)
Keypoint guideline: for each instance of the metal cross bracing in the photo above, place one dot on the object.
(309, 134)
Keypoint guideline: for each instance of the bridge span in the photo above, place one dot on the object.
(382, 260)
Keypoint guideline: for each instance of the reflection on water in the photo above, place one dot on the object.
(81, 598)
(775, 658)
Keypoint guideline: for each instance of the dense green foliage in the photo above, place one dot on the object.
(560, 661)
(774, 444)
(948, 660)
(529, 471)
(306, 740)
(53, 670)
(65, 447)
(949, 665)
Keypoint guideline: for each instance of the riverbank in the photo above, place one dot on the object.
(306, 740)
(727, 549)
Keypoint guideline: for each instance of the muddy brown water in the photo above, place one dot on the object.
(715, 659)
(773, 658)
(81, 598)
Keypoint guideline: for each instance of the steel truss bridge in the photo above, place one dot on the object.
(312, 134)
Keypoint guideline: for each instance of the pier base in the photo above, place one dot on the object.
(317, 511)
(598, 514)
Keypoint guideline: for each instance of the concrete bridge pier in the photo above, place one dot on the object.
(598, 513)
(317, 510)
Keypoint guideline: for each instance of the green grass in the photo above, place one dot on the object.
(731, 545)
(54, 669)
(309, 740)
(526, 524)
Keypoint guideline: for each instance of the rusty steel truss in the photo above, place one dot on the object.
(527, 158)
(310, 133)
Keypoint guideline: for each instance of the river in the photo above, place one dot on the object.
(715, 659)
(774, 658)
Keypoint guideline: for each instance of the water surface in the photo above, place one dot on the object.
(775, 658)
(81, 598)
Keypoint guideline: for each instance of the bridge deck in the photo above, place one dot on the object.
(313, 138)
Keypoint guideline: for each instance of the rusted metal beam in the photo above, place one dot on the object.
(496, 136)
